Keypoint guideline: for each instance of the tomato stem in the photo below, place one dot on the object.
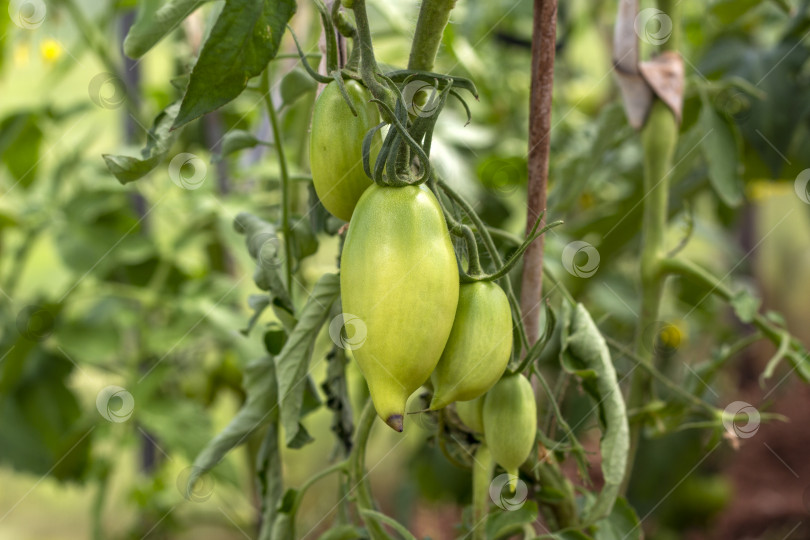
(433, 18)
(285, 178)
(358, 467)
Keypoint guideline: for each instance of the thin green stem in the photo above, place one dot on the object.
(433, 18)
(493, 252)
(368, 64)
(358, 469)
(285, 178)
(483, 466)
(341, 466)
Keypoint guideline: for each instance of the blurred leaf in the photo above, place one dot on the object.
(260, 408)
(621, 524)
(296, 84)
(728, 11)
(264, 245)
(304, 241)
(344, 531)
(586, 355)
(336, 389)
(236, 140)
(269, 472)
(154, 21)
(42, 432)
(20, 139)
(292, 364)
(245, 37)
(159, 141)
(258, 303)
(503, 524)
(745, 305)
(721, 153)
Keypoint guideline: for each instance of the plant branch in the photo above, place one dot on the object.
(433, 17)
(544, 36)
(358, 468)
(285, 177)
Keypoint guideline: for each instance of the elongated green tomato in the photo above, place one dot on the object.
(510, 422)
(479, 345)
(336, 147)
(399, 277)
(471, 413)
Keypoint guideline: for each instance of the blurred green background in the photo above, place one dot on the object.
(146, 286)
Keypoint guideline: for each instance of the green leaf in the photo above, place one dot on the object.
(235, 140)
(260, 408)
(745, 305)
(159, 141)
(345, 531)
(154, 21)
(586, 355)
(258, 303)
(722, 154)
(292, 364)
(304, 241)
(565, 535)
(502, 524)
(269, 473)
(294, 85)
(245, 37)
(20, 139)
(264, 245)
(621, 524)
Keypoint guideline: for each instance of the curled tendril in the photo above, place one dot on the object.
(311, 72)
(412, 144)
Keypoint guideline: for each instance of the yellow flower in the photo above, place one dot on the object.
(51, 50)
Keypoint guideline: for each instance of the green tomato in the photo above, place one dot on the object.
(510, 421)
(400, 278)
(336, 147)
(479, 346)
(471, 413)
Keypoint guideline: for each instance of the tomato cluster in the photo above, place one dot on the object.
(400, 277)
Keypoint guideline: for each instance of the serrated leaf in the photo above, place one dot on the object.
(722, 155)
(586, 355)
(159, 141)
(245, 37)
(154, 21)
(292, 364)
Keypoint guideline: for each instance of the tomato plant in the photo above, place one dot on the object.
(559, 380)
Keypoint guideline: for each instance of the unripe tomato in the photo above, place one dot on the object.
(336, 147)
(399, 277)
(510, 421)
(479, 345)
(471, 413)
